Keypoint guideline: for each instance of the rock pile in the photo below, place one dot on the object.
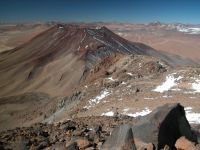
(165, 128)
(81, 133)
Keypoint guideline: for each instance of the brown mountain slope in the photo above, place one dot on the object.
(56, 60)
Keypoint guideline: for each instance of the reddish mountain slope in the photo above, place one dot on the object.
(56, 60)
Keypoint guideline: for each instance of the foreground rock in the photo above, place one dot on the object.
(81, 133)
(184, 144)
(140, 145)
(164, 126)
(120, 139)
(160, 129)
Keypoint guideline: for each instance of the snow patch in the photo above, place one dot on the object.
(170, 82)
(192, 97)
(189, 92)
(176, 89)
(83, 38)
(188, 108)
(97, 99)
(98, 27)
(123, 83)
(144, 112)
(111, 79)
(189, 30)
(140, 65)
(130, 74)
(125, 109)
(100, 97)
(110, 113)
(196, 86)
(148, 98)
(162, 64)
(129, 86)
(192, 117)
(167, 96)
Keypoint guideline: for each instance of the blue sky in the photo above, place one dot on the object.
(138, 11)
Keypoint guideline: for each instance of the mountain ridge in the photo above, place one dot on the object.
(73, 45)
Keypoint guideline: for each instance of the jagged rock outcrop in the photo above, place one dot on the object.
(164, 126)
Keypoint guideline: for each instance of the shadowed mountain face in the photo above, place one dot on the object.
(56, 60)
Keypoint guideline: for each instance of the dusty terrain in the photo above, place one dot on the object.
(69, 72)
(164, 37)
(64, 68)
(12, 35)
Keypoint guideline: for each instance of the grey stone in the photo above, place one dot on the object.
(120, 139)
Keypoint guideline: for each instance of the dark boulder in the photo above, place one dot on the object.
(164, 126)
(69, 125)
(120, 139)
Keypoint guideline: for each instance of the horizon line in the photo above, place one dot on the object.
(90, 22)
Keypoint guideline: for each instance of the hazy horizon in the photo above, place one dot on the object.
(93, 22)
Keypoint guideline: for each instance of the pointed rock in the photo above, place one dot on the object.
(120, 139)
